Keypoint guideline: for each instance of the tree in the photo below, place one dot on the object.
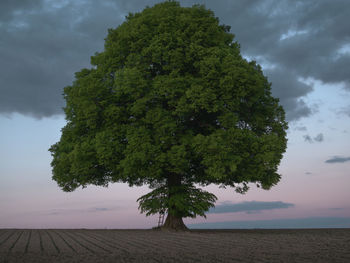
(170, 103)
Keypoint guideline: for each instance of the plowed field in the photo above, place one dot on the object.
(58, 245)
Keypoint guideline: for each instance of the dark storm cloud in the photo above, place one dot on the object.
(42, 44)
(248, 207)
(302, 39)
(338, 159)
(10, 7)
(41, 48)
(305, 37)
(289, 90)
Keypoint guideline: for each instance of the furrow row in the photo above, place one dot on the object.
(108, 243)
(124, 243)
(2, 233)
(69, 244)
(65, 241)
(123, 238)
(15, 242)
(80, 243)
(28, 242)
(82, 236)
(148, 245)
(3, 243)
(41, 242)
(53, 242)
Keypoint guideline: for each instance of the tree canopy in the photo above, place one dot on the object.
(170, 103)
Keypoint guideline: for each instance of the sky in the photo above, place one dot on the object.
(304, 50)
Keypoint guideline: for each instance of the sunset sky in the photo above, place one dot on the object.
(303, 48)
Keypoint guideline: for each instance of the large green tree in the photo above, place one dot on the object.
(170, 103)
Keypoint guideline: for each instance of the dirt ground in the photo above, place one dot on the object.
(82, 245)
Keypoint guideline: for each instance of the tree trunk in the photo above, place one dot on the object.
(174, 218)
(174, 223)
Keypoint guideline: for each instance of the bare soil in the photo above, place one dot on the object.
(82, 245)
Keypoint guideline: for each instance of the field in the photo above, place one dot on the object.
(82, 245)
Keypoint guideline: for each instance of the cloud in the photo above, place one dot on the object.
(301, 128)
(101, 209)
(345, 110)
(316, 30)
(248, 207)
(10, 7)
(319, 138)
(310, 222)
(338, 159)
(307, 138)
(313, 53)
(308, 173)
(289, 90)
(44, 42)
(79, 211)
(41, 49)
